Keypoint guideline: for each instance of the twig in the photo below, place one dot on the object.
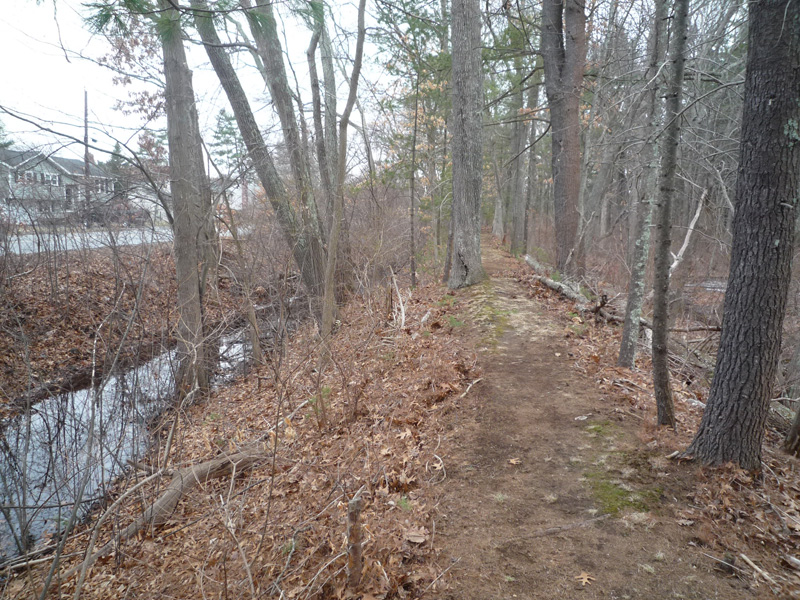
(431, 584)
(469, 387)
(723, 562)
(767, 577)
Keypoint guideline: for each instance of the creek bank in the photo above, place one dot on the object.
(69, 447)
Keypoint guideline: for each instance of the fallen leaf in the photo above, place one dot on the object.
(584, 578)
(416, 536)
(514, 461)
(685, 522)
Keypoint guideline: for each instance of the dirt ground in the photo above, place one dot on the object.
(499, 453)
(550, 493)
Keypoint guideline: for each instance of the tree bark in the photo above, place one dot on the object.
(666, 193)
(323, 161)
(641, 247)
(329, 301)
(564, 57)
(263, 26)
(466, 122)
(186, 184)
(767, 195)
(412, 185)
(518, 139)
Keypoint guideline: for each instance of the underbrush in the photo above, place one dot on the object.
(279, 530)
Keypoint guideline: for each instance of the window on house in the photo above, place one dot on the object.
(69, 196)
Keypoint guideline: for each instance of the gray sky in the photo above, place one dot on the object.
(40, 81)
(44, 75)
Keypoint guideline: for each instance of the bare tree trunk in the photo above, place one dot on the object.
(533, 103)
(305, 246)
(499, 219)
(329, 88)
(518, 139)
(564, 56)
(412, 184)
(263, 26)
(641, 247)
(186, 183)
(329, 302)
(466, 123)
(669, 161)
(767, 192)
(323, 160)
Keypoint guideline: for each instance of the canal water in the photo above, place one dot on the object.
(71, 446)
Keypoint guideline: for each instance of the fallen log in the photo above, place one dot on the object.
(570, 292)
(183, 480)
(680, 354)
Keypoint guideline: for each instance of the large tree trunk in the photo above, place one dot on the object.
(767, 192)
(188, 185)
(466, 123)
(306, 247)
(666, 193)
(564, 56)
(641, 247)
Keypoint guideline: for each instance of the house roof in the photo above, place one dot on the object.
(15, 157)
(75, 166)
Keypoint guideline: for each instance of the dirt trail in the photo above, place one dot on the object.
(537, 447)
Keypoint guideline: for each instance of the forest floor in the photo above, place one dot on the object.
(498, 451)
(559, 489)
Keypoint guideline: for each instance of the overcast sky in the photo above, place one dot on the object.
(45, 70)
(45, 83)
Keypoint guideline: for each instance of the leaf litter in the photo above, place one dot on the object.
(281, 526)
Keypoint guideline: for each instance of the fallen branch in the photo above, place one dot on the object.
(573, 294)
(767, 577)
(183, 480)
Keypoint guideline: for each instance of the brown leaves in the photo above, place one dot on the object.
(389, 453)
(584, 579)
(416, 535)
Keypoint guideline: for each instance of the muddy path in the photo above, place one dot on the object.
(548, 481)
